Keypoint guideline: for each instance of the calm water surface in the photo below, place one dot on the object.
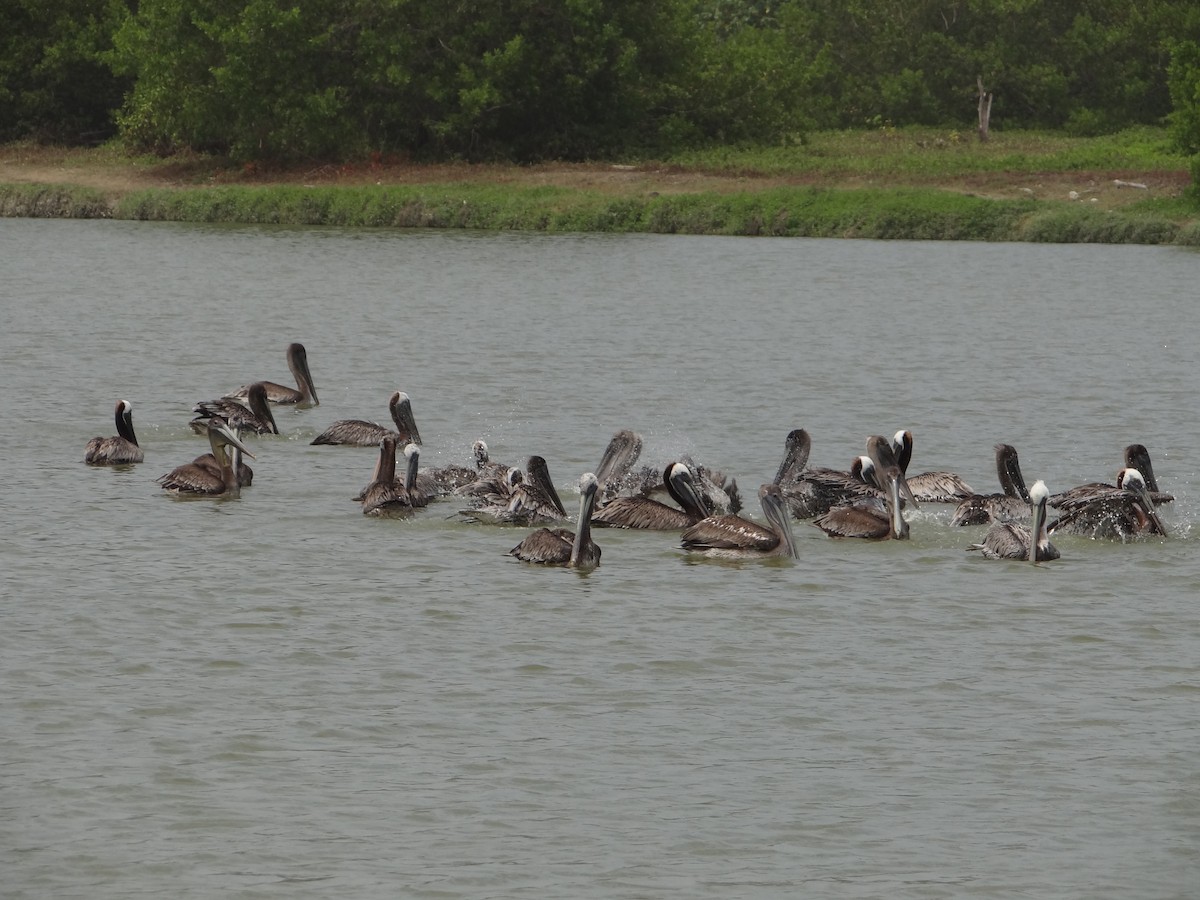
(274, 696)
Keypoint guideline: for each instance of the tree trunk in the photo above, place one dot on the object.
(985, 110)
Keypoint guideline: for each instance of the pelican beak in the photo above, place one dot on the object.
(1151, 512)
(231, 439)
(879, 449)
(1035, 530)
(895, 480)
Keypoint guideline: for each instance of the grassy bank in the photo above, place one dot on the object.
(881, 184)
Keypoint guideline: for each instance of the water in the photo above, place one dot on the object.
(274, 696)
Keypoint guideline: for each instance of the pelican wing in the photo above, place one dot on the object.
(112, 451)
(1004, 540)
(729, 533)
(983, 509)
(353, 432)
(548, 546)
(193, 478)
(939, 487)
(641, 512)
(863, 520)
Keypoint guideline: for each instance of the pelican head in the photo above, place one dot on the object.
(884, 457)
(775, 508)
(412, 455)
(683, 490)
(480, 451)
(902, 446)
(402, 414)
(585, 554)
(1131, 480)
(797, 447)
(220, 436)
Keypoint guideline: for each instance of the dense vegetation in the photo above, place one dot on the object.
(525, 80)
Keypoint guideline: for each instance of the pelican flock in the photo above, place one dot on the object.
(874, 498)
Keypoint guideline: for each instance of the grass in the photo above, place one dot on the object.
(884, 183)
(935, 153)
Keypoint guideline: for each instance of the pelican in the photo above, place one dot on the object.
(618, 460)
(873, 517)
(451, 477)
(644, 512)
(358, 433)
(209, 474)
(928, 487)
(384, 496)
(1136, 457)
(535, 499)
(1121, 513)
(811, 492)
(733, 537)
(530, 499)
(297, 360)
(119, 450)
(559, 547)
(1008, 540)
(1013, 505)
(253, 415)
(618, 477)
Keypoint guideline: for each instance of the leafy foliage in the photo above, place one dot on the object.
(54, 81)
(525, 80)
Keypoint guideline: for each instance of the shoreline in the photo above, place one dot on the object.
(1108, 206)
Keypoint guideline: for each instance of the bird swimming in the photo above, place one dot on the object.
(253, 415)
(1136, 457)
(360, 433)
(528, 500)
(1121, 512)
(560, 546)
(928, 487)
(304, 394)
(120, 449)
(619, 478)
(873, 517)
(811, 492)
(648, 513)
(1010, 540)
(1012, 505)
(384, 496)
(209, 474)
(734, 537)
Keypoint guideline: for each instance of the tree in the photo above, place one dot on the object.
(55, 83)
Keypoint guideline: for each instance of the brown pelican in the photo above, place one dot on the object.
(1008, 540)
(209, 474)
(493, 489)
(384, 496)
(733, 537)
(1013, 505)
(254, 415)
(1122, 512)
(359, 433)
(645, 512)
(811, 492)
(559, 547)
(297, 360)
(122, 448)
(617, 461)
(928, 487)
(451, 477)
(531, 499)
(873, 517)
(619, 478)
(1136, 457)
